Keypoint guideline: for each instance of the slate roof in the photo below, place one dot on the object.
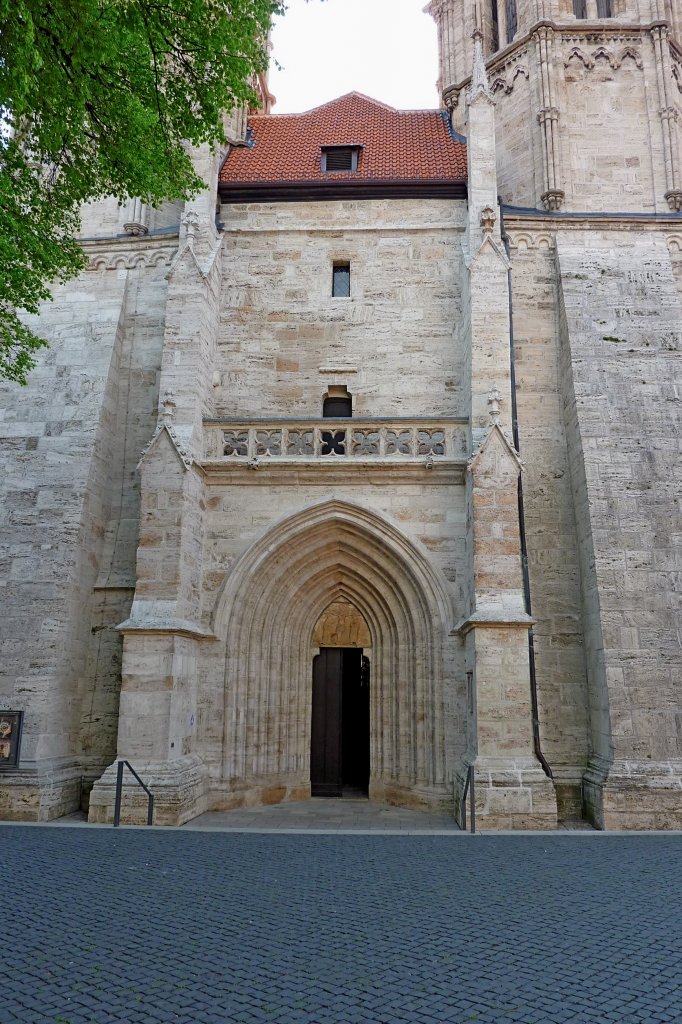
(397, 146)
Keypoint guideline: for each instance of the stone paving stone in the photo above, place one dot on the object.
(329, 815)
(206, 927)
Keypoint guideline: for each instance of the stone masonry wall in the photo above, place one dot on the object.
(621, 334)
(519, 166)
(285, 339)
(69, 443)
(136, 415)
(549, 513)
(104, 219)
(607, 163)
(56, 443)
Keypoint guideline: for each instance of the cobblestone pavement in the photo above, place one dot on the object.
(202, 927)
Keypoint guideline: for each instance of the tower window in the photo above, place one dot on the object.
(494, 27)
(604, 9)
(511, 20)
(339, 158)
(580, 8)
(341, 281)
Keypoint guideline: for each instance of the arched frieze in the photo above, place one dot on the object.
(504, 83)
(521, 241)
(130, 260)
(615, 58)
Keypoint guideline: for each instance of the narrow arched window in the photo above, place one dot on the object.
(511, 20)
(494, 27)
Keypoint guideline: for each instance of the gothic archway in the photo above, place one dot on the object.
(267, 612)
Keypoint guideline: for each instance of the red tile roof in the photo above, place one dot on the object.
(397, 146)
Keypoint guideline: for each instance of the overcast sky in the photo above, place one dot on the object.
(384, 48)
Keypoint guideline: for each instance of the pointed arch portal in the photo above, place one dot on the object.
(271, 610)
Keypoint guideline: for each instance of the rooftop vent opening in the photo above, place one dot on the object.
(339, 158)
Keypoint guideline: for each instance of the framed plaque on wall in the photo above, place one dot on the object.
(10, 738)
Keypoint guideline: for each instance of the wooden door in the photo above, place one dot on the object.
(326, 741)
(355, 722)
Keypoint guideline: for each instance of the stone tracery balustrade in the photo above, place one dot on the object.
(396, 440)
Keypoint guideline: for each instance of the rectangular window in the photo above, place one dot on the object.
(339, 158)
(341, 281)
(604, 9)
(580, 8)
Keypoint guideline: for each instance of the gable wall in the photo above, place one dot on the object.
(281, 328)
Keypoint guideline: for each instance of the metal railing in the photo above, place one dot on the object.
(468, 789)
(119, 793)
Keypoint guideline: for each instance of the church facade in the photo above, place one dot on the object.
(364, 466)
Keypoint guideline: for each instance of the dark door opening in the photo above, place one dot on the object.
(339, 752)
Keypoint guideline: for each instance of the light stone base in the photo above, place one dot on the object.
(41, 792)
(180, 792)
(568, 786)
(511, 795)
(287, 790)
(415, 798)
(225, 798)
(636, 795)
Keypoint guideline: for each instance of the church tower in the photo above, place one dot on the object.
(588, 98)
(586, 135)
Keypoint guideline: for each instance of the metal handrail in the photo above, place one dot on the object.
(119, 793)
(469, 786)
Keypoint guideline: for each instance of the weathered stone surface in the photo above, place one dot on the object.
(572, 96)
(179, 537)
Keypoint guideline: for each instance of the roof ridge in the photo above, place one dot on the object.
(313, 110)
(328, 103)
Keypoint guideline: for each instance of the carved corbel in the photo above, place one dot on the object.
(553, 199)
(674, 199)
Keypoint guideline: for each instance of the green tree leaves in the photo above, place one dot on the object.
(97, 98)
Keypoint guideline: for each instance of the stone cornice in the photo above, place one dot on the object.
(152, 240)
(493, 619)
(519, 219)
(173, 627)
(339, 471)
(351, 229)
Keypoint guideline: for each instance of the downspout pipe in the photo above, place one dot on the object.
(537, 746)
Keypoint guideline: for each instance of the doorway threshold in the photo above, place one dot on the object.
(328, 814)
